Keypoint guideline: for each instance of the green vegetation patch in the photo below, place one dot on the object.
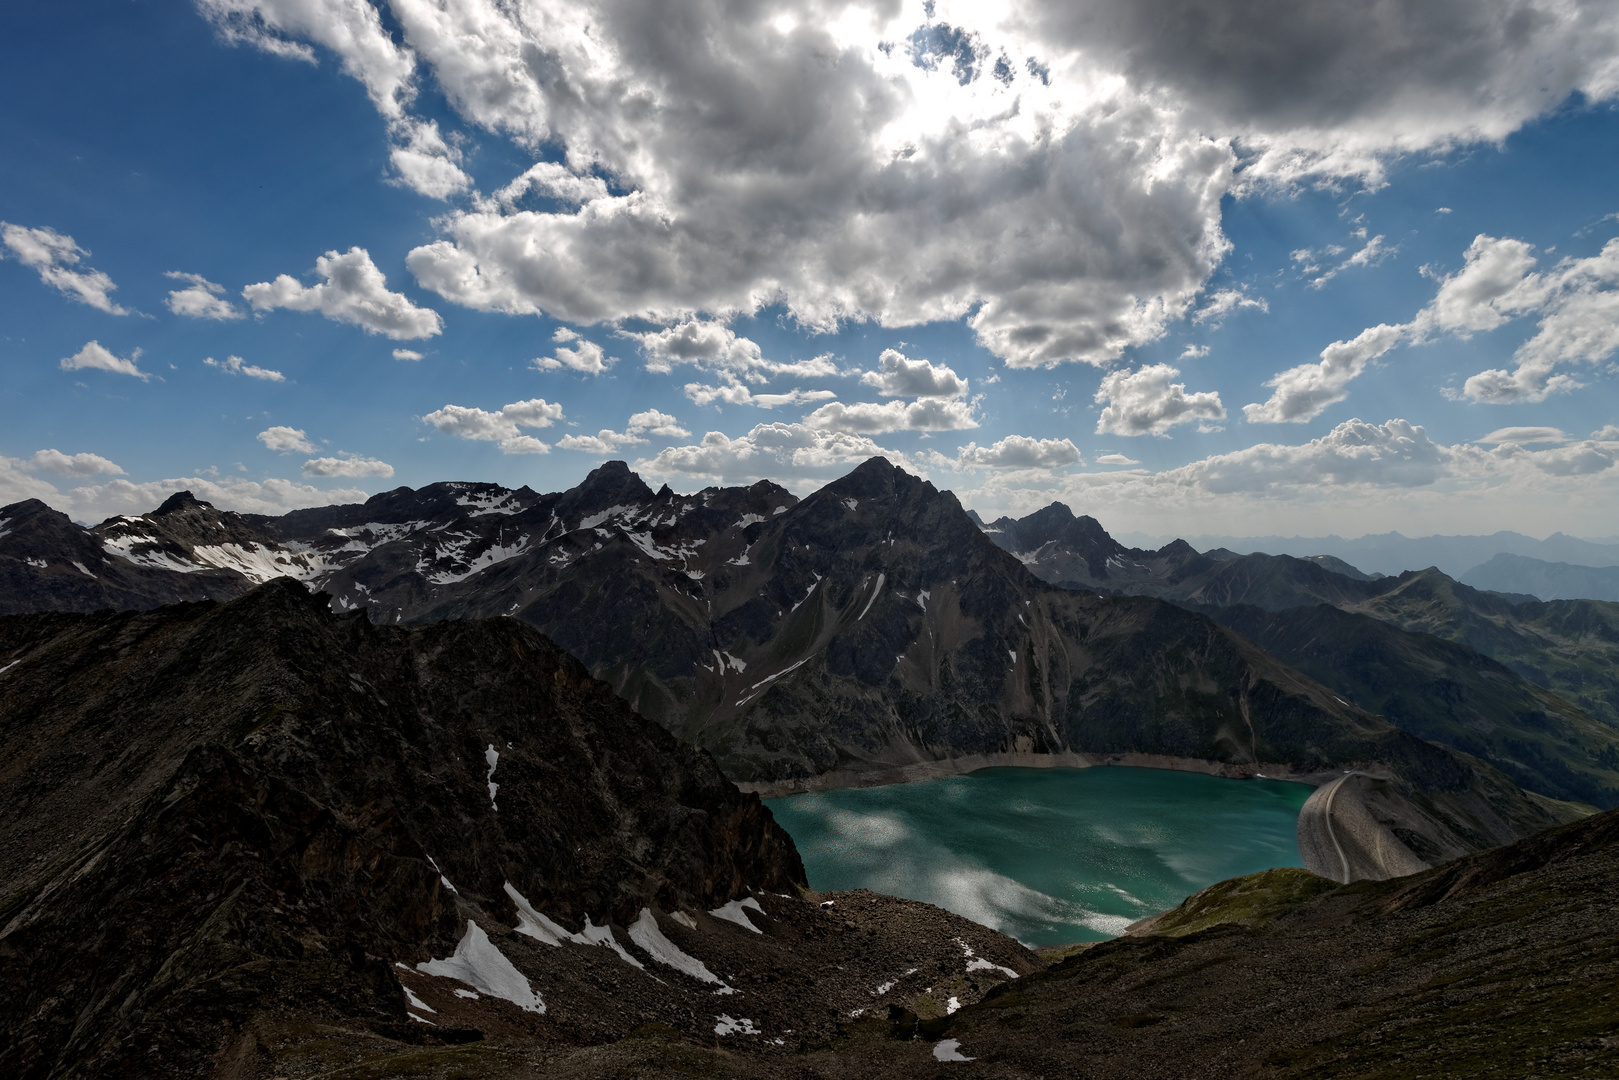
(1254, 900)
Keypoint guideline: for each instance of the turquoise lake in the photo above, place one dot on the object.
(1048, 856)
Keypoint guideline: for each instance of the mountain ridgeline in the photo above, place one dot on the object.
(1530, 686)
(868, 629)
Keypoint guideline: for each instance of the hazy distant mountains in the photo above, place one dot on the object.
(1545, 580)
(1392, 553)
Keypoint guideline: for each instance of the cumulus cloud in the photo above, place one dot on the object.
(712, 346)
(407, 354)
(354, 291)
(201, 299)
(52, 255)
(1607, 433)
(1304, 392)
(656, 423)
(54, 461)
(503, 427)
(273, 496)
(94, 357)
(235, 365)
(351, 466)
(1577, 301)
(1020, 452)
(873, 164)
(587, 356)
(899, 376)
(1146, 402)
(1116, 459)
(1393, 453)
(792, 454)
(734, 393)
(424, 162)
(870, 418)
(287, 440)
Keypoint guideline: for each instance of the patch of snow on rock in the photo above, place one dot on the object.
(949, 1050)
(483, 967)
(492, 757)
(644, 932)
(537, 926)
(874, 594)
(736, 912)
(726, 1026)
(416, 1002)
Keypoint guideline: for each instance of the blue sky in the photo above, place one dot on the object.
(727, 242)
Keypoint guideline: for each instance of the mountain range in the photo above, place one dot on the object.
(1393, 553)
(870, 628)
(1544, 580)
(260, 839)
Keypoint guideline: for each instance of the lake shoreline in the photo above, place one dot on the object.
(915, 772)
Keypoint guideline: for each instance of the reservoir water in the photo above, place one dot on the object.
(1048, 856)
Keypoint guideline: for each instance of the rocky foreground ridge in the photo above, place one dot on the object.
(258, 839)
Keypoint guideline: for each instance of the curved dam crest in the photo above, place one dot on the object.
(1049, 856)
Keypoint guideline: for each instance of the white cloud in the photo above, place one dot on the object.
(348, 466)
(1020, 452)
(274, 496)
(870, 418)
(424, 162)
(899, 376)
(50, 254)
(1393, 453)
(794, 455)
(1304, 392)
(54, 461)
(587, 356)
(1525, 435)
(94, 357)
(287, 440)
(656, 423)
(863, 167)
(1223, 303)
(1194, 352)
(1310, 262)
(354, 291)
(1146, 402)
(17, 484)
(1607, 433)
(712, 346)
(604, 441)
(1116, 459)
(734, 393)
(501, 427)
(407, 354)
(201, 299)
(235, 365)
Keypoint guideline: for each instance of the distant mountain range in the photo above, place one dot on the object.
(870, 627)
(1393, 553)
(1545, 580)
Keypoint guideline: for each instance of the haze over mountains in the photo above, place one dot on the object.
(1392, 553)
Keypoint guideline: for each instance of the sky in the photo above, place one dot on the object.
(1204, 267)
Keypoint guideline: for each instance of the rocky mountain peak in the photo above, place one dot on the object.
(180, 502)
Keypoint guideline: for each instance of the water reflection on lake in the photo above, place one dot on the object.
(1047, 855)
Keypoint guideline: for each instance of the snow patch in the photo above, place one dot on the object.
(735, 911)
(644, 932)
(727, 1026)
(596, 519)
(952, 1005)
(978, 963)
(874, 594)
(83, 571)
(416, 1002)
(481, 966)
(38, 563)
(468, 994)
(683, 919)
(949, 1050)
(492, 757)
(748, 519)
(537, 926)
(922, 599)
(603, 935)
(851, 503)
